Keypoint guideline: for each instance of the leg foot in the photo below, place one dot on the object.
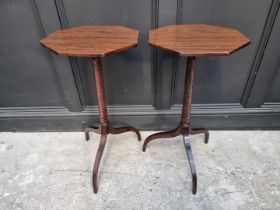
(98, 157)
(125, 129)
(167, 134)
(191, 162)
(90, 129)
(195, 131)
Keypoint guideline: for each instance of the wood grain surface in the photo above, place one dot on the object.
(91, 41)
(198, 40)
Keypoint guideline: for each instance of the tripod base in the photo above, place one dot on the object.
(184, 131)
(104, 130)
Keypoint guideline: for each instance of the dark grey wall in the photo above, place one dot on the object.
(144, 86)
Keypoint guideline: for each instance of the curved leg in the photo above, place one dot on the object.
(167, 134)
(98, 158)
(195, 131)
(192, 163)
(125, 129)
(89, 129)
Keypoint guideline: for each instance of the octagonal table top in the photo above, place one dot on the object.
(198, 39)
(91, 41)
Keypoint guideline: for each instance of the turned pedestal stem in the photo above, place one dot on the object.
(188, 87)
(100, 91)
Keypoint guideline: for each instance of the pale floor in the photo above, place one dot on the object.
(236, 170)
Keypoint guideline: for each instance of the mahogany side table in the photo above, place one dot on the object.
(95, 42)
(192, 41)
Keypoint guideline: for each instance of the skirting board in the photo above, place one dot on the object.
(216, 117)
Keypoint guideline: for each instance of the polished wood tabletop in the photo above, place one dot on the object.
(198, 39)
(91, 41)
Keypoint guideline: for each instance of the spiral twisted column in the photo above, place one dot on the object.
(187, 101)
(100, 90)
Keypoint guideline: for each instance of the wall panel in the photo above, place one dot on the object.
(42, 91)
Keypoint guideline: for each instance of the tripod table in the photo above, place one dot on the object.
(95, 42)
(193, 41)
